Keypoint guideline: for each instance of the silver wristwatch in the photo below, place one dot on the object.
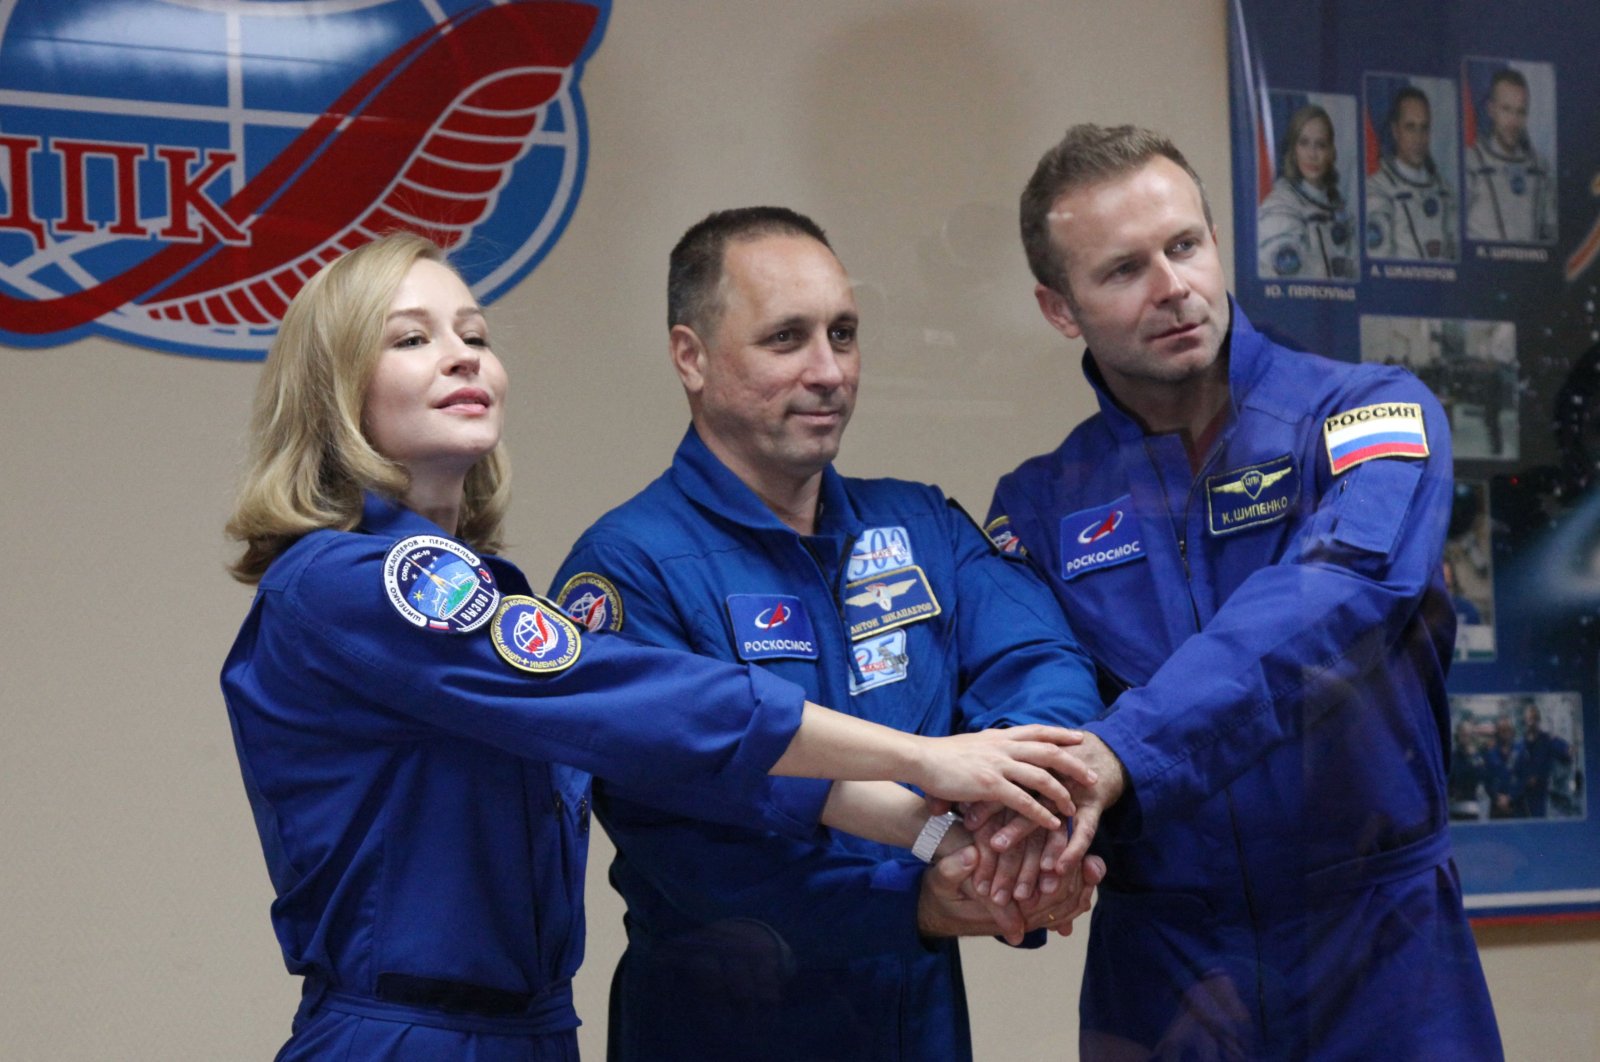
(933, 832)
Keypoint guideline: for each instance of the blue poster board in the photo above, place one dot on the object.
(1419, 184)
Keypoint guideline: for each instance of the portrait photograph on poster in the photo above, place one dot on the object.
(1516, 756)
(1508, 139)
(1470, 365)
(1413, 191)
(1306, 220)
(1469, 570)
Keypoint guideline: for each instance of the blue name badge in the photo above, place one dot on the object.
(1101, 537)
(884, 602)
(771, 626)
(879, 661)
(1253, 496)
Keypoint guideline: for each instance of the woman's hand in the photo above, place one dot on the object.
(1021, 767)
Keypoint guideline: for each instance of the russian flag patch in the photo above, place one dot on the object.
(1388, 429)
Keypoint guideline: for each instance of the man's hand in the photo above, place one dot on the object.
(1022, 870)
(1091, 798)
(1056, 911)
(949, 905)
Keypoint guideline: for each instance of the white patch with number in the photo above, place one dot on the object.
(878, 550)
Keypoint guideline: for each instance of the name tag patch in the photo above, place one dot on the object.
(878, 550)
(879, 661)
(1252, 496)
(1102, 537)
(533, 636)
(771, 626)
(438, 584)
(593, 601)
(1388, 429)
(886, 601)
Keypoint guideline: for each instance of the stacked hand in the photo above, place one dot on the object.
(950, 904)
(1008, 872)
(1020, 767)
(1105, 786)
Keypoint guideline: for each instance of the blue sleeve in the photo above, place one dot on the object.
(826, 904)
(618, 711)
(649, 613)
(1266, 666)
(1019, 661)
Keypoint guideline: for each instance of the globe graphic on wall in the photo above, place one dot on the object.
(175, 169)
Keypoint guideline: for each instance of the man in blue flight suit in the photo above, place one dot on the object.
(1247, 540)
(875, 595)
(1538, 755)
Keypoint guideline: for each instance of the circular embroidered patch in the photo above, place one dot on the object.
(534, 636)
(438, 584)
(593, 601)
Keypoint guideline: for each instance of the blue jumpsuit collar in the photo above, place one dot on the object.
(386, 516)
(709, 483)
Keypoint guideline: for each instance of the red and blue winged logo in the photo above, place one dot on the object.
(172, 173)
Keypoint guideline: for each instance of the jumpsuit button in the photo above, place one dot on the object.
(583, 815)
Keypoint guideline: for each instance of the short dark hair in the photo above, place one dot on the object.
(1507, 76)
(1410, 92)
(694, 270)
(1088, 154)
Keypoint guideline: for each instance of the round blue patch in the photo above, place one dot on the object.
(1374, 235)
(1519, 183)
(533, 636)
(593, 601)
(438, 584)
(1430, 206)
(1286, 261)
(1340, 232)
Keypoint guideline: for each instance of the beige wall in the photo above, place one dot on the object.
(134, 895)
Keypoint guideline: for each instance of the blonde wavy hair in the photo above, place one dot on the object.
(309, 461)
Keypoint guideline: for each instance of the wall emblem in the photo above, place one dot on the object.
(171, 171)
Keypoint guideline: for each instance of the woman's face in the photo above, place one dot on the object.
(1313, 151)
(436, 399)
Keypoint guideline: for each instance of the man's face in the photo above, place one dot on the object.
(1508, 112)
(1148, 295)
(1411, 129)
(775, 383)
(1530, 720)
